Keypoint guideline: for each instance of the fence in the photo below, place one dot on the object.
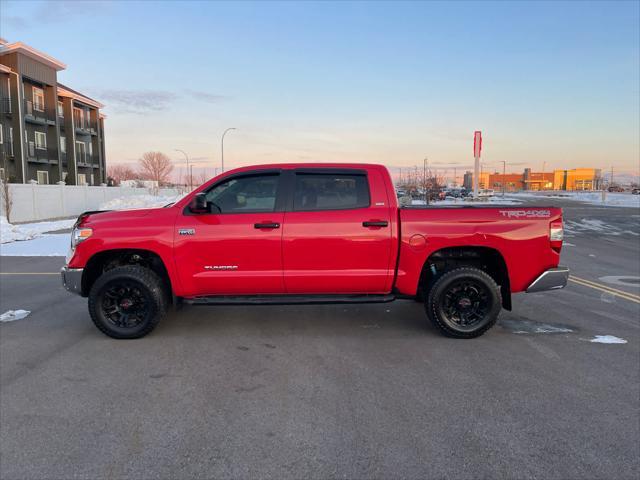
(33, 202)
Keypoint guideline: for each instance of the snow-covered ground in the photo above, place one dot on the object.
(495, 200)
(32, 239)
(11, 233)
(593, 198)
(138, 201)
(47, 245)
(592, 225)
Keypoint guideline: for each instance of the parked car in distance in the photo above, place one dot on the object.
(635, 191)
(615, 188)
(309, 234)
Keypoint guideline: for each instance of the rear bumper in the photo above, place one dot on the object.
(72, 279)
(552, 279)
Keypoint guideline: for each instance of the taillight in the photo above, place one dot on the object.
(556, 234)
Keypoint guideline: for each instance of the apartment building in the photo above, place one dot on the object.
(48, 131)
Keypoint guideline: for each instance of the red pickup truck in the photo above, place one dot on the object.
(310, 234)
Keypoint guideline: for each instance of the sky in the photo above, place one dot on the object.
(550, 84)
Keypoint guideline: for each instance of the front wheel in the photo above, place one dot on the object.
(464, 302)
(127, 302)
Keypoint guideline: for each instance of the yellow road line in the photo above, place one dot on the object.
(29, 273)
(596, 284)
(584, 284)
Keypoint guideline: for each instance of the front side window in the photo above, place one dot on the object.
(330, 192)
(63, 144)
(255, 193)
(38, 99)
(41, 140)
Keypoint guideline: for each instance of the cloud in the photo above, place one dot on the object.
(58, 11)
(15, 21)
(136, 101)
(205, 96)
(55, 11)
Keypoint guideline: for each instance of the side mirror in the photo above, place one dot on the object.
(199, 203)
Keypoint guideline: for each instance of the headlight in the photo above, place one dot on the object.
(80, 235)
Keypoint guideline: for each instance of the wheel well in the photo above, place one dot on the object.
(105, 261)
(483, 258)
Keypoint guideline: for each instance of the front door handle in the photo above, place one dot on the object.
(375, 223)
(266, 225)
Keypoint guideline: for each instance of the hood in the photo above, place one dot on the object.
(99, 216)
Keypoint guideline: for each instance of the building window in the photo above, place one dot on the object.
(81, 153)
(63, 144)
(92, 180)
(78, 117)
(1, 132)
(43, 177)
(41, 140)
(38, 99)
(64, 176)
(82, 179)
(2, 175)
(60, 109)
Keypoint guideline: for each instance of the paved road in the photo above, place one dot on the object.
(331, 391)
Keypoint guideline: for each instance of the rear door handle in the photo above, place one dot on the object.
(373, 223)
(266, 225)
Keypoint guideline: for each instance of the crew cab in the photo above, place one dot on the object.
(311, 233)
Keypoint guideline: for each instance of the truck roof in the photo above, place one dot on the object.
(291, 166)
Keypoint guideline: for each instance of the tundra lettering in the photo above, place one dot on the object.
(310, 233)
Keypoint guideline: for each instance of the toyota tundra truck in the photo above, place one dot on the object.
(311, 234)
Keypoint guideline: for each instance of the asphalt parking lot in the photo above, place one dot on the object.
(332, 391)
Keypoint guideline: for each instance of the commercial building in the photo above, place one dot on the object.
(575, 179)
(48, 131)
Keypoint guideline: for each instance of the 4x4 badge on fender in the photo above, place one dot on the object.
(187, 231)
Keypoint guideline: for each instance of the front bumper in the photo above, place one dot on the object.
(72, 279)
(552, 279)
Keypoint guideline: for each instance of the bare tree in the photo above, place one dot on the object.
(120, 173)
(155, 166)
(7, 199)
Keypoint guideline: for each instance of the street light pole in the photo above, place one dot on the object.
(222, 147)
(187, 157)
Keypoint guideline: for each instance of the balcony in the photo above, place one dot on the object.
(39, 155)
(38, 114)
(85, 128)
(5, 105)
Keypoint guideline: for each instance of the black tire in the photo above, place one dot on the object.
(127, 302)
(464, 302)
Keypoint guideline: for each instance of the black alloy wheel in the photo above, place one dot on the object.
(464, 302)
(128, 302)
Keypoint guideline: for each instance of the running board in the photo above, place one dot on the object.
(288, 299)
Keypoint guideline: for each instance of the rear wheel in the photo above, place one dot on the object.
(464, 302)
(127, 302)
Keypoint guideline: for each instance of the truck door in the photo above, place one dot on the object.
(236, 247)
(337, 236)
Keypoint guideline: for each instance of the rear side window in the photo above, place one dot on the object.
(256, 193)
(330, 192)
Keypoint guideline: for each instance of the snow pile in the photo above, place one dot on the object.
(593, 198)
(607, 339)
(138, 201)
(28, 231)
(12, 315)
